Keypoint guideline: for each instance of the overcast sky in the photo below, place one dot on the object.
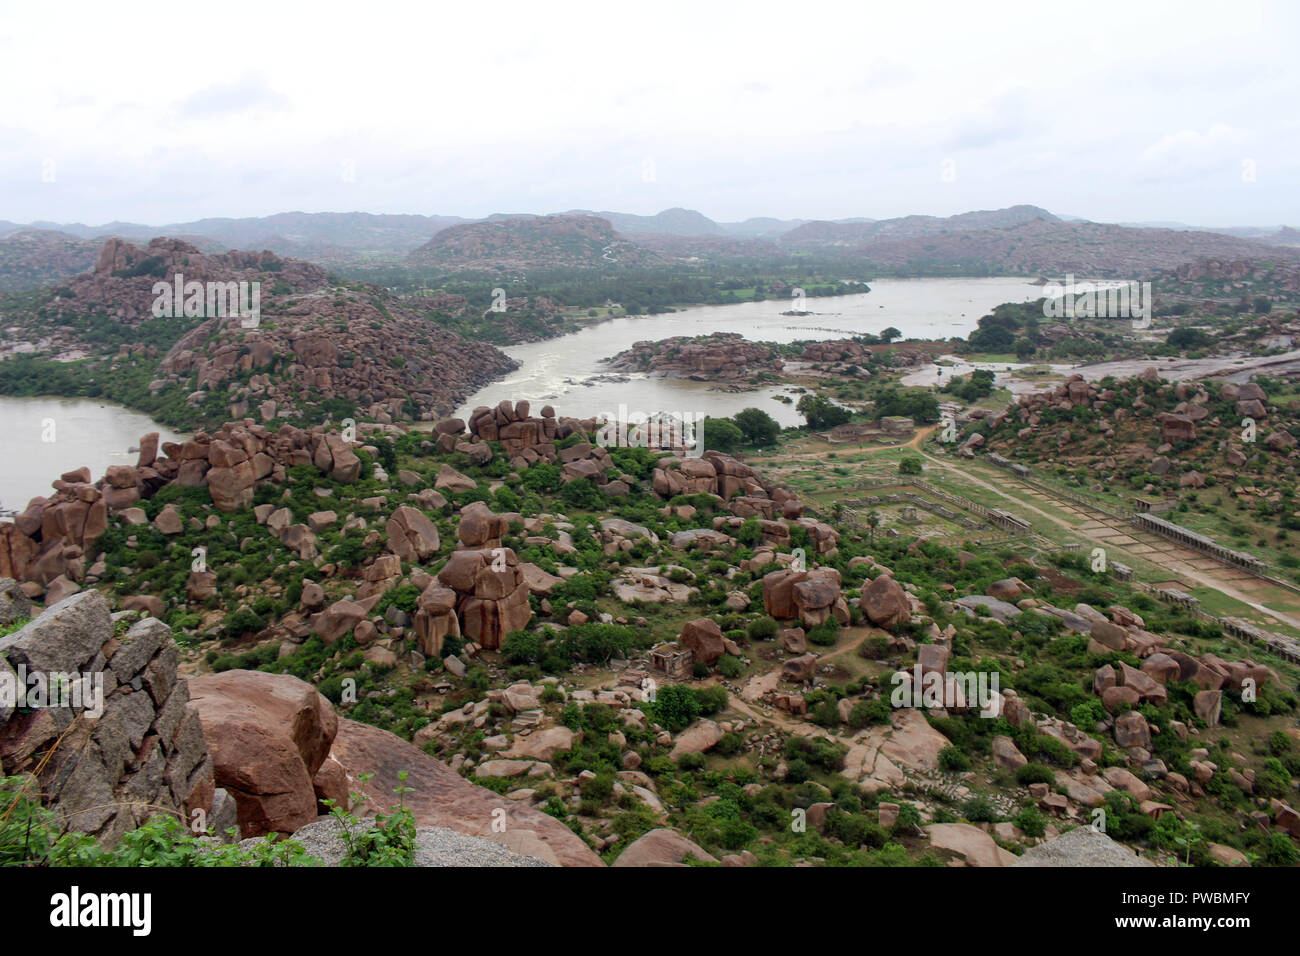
(1131, 111)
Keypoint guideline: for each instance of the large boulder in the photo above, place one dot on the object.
(778, 593)
(268, 735)
(704, 637)
(885, 602)
(411, 535)
(1132, 730)
(1111, 636)
(440, 797)
(976, 847)
(662, 847)
(700, 737)
(1208, 705)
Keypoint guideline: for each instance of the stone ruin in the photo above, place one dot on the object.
(672, 660)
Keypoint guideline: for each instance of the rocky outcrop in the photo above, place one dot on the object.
(491, 595)
(51, 538)
(269, 735)
(704, 638)
(123, 739)
(813, 597)
(720, 356)
(440, 797)
(357, 345)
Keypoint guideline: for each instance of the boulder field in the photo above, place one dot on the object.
(242, 748)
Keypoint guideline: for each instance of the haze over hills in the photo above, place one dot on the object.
(1021, 239)
(530, 242)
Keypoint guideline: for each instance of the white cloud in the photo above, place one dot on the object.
(1190, 154)
(1107, 109)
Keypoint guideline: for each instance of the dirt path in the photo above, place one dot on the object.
(1176, 560)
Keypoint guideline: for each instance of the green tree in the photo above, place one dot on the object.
(675, 707)
(821, 412)
(721, 434)
(758, 427)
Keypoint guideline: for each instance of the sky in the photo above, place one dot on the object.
(1116, 112)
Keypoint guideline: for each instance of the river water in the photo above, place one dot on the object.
(568, 372)
(44, 437)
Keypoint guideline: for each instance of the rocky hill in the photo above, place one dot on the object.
(673, 222)
(31, 258)
(121, 284)
(1229, 280)
(1157, 437)
(319, 349)
(296, 234)
(910, 227)
(518, 243)
(1034, 243)
(722, 356)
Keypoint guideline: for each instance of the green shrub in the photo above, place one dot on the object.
(1030, 821)
(953, 760)
(1035, 773)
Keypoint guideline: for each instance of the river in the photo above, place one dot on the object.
(568, 372)
(45, 437)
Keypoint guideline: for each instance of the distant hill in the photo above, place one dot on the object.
(35, 257)
(851, 233)
(328, 237)
(515, 243)
(761, 227)
(670, 222)
(1019, 239)
(1022, 240)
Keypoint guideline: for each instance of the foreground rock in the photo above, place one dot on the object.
(1082, 846)
(269, 735)
(976, 847)
(434, 846)
(662, 847)
(440, 797)
(105, 773)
